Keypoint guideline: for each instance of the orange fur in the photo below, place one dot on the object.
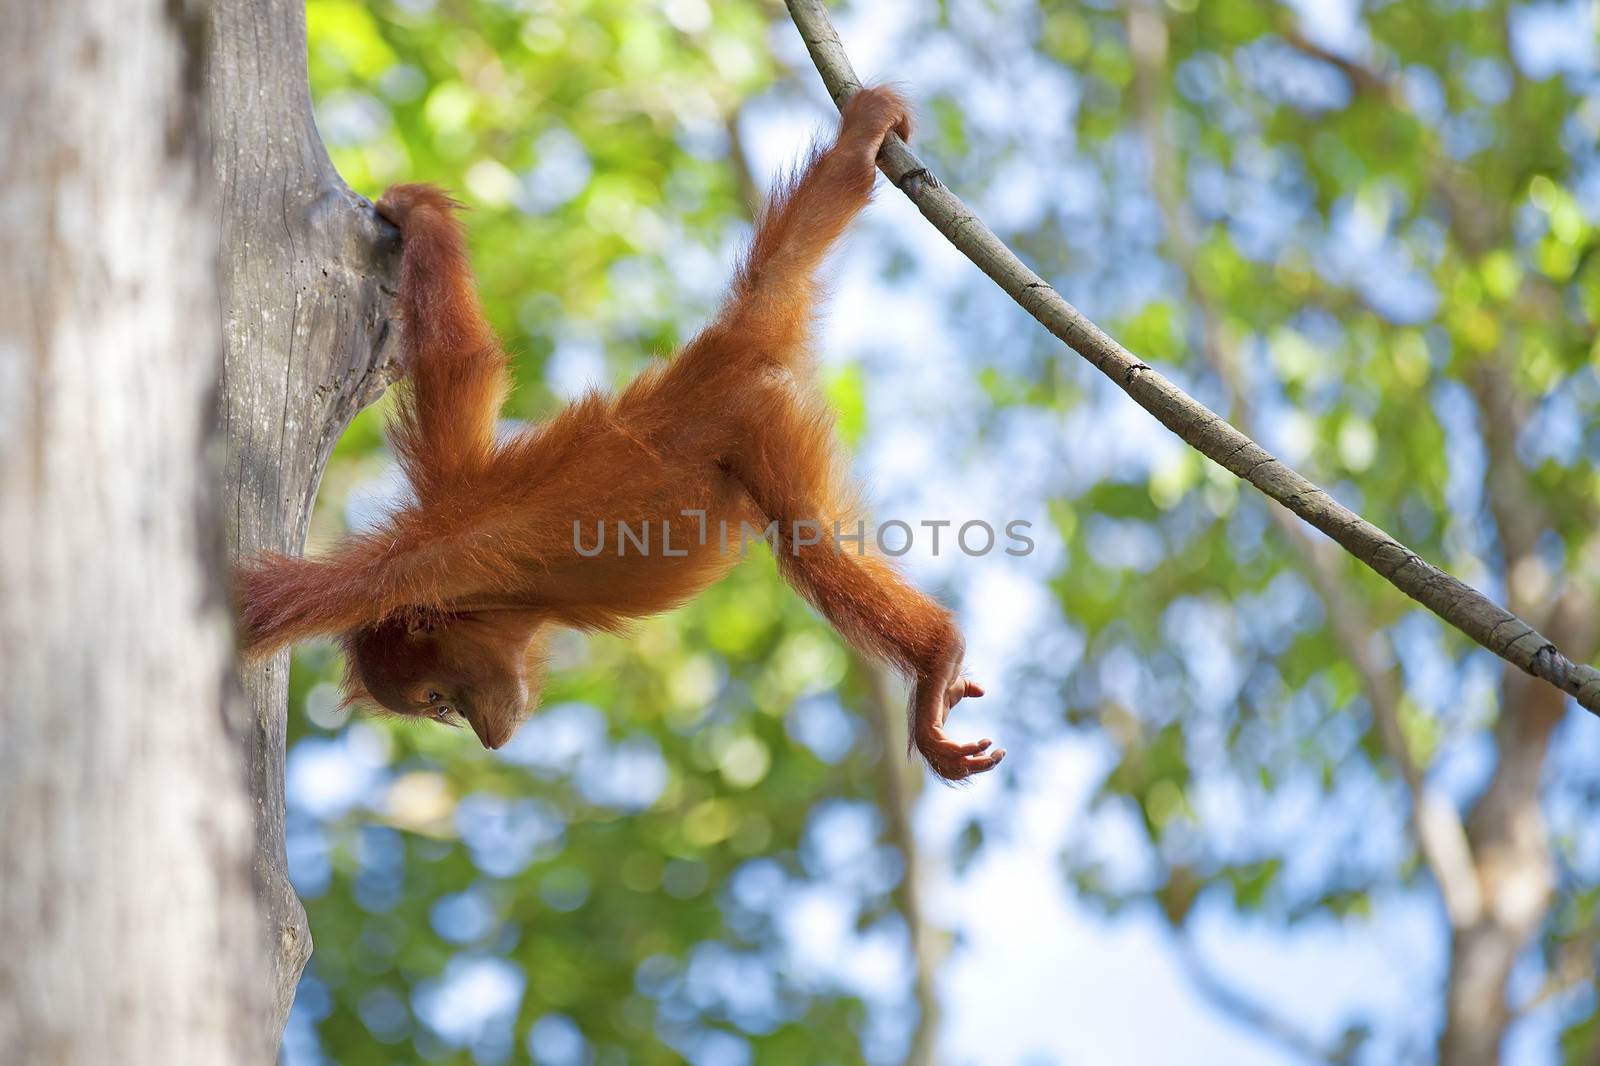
(443, 609)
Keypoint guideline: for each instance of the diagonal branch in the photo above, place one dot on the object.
(1441, 836)
(1363, 78)
(1462, 606)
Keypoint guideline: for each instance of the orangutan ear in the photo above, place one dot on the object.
(353, 688)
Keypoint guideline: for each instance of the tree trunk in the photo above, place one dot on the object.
(1506, 826)
(1511, 842)
(305, 340)
(126, 907)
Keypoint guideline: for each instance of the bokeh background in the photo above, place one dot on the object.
(1367, 231)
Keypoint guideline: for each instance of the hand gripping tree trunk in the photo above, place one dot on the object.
(126, 911)
(305, 333)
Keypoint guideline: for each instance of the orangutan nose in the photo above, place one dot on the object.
(489, 739)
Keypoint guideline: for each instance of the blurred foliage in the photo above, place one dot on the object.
(1392, 259)
(1392, 241)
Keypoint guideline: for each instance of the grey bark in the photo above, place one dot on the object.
(126, 909)
(306, 340)
(1464, 607)
(1511, 842)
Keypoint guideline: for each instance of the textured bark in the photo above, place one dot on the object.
(126, 908)
(1464, 607)
(305, 339)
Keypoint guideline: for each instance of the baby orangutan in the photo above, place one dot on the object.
(443, 611)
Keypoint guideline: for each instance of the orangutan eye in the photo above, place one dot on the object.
(434, 697)
(445, 714)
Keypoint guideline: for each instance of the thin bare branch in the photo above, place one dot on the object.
(1365, 79)
(1462, 606)
(1572, 969)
